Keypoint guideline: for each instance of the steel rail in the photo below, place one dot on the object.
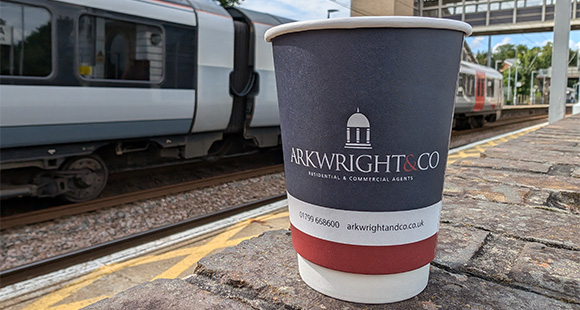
(48, 214)
(35, 269)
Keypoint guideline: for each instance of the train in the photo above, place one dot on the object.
(479, 97)
(86, 84)
(93, 87)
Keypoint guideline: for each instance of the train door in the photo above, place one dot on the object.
(490, 92)
(479, 91)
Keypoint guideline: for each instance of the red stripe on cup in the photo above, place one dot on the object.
(364, 259)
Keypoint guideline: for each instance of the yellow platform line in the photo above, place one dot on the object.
(478, 149)
(222, 240)
(193, 255)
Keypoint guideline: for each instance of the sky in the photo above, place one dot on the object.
(529, 39)
(300, 9)
(318, 9)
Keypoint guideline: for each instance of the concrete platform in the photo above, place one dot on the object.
(509, 239)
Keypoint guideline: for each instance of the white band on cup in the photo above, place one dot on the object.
(362, 227)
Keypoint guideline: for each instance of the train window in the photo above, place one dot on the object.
(481, 87)
(469, 85)
(25, 40)
(460, 84)
(119, 50)
(465, 82)
(490, 88)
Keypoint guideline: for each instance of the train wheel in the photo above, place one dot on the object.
(491, 118)
(86, 178)
(476, 121)
(461, 123)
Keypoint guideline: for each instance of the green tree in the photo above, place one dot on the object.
(529, 60)
(481, 58)
(509, 52)
(545, 58)
(526, 65)
(228, 3)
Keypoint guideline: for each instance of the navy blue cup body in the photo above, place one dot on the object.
(366, 119)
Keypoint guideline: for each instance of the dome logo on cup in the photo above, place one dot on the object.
(356, 160)
(358, 132)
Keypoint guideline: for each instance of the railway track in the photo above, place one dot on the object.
(98, 204)
(24, 272)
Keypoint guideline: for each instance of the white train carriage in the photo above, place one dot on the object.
(85, 85)
(479, 96)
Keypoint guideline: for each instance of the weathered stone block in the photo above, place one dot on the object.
(174, 294)
(557, 228)
(517, 179)
(457, 244)
(538, 155)
(534, 266)
(554, 269)
(576, 172)
(496, 258)
(498, 163)
(481, 190)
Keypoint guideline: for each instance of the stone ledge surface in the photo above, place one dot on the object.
(278, 282)
(509, 239)
(174, 294)
(261, 273)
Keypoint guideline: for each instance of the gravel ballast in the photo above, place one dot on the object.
(26, 244)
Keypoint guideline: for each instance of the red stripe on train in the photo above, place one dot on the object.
(479, 91)
(364, 259)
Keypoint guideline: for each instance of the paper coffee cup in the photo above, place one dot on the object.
(366, 108)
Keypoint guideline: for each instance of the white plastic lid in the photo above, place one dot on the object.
(369, 22)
